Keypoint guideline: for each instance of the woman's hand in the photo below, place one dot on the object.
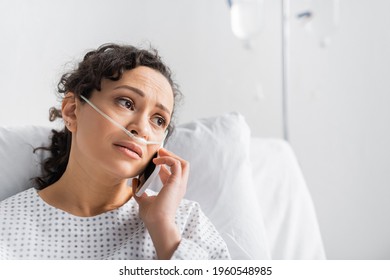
(158, 212)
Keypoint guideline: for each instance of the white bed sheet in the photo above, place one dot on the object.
(290, 221)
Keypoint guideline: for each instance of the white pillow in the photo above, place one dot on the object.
(221, 180)
(18, 163)
(220, 177)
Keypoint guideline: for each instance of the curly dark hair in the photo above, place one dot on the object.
(109, 61)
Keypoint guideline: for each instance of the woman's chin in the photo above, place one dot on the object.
(125, 172)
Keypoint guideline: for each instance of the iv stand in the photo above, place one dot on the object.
(285, 66)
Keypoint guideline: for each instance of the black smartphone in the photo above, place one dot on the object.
(146, 178)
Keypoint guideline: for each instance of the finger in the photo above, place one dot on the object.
(164, 174)
(162, 151)
(179, 175)
(174, 164)
(165, 152)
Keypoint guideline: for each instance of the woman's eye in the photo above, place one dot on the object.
(127, 103)
(159, 121)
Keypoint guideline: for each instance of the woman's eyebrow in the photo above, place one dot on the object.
(162, 107)
(141, 93)
(134, 89)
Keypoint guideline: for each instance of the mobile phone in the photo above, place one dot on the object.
(146, 178)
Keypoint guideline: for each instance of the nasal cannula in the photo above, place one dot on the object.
(131, 135)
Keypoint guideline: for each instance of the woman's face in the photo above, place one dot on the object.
(142, 101)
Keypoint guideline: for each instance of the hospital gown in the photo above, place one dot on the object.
(32, 229)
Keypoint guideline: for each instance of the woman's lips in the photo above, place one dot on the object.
(130, 149)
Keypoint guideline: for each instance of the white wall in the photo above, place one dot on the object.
(339, 122)
(215, 72)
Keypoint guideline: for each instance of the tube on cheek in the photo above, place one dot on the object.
(131, 135)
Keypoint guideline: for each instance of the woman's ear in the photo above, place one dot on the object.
(69, 107)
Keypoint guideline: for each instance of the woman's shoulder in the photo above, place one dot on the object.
(190, 210)
(20, 200)
(190, 205)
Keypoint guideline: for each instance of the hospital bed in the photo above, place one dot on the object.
(251, 188)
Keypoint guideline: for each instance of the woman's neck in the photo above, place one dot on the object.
(82, 195)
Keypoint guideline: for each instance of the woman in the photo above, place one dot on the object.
(84, 208)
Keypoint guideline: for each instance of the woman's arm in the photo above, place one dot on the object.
(158, 212)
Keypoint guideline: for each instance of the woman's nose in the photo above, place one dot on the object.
(139, 127)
